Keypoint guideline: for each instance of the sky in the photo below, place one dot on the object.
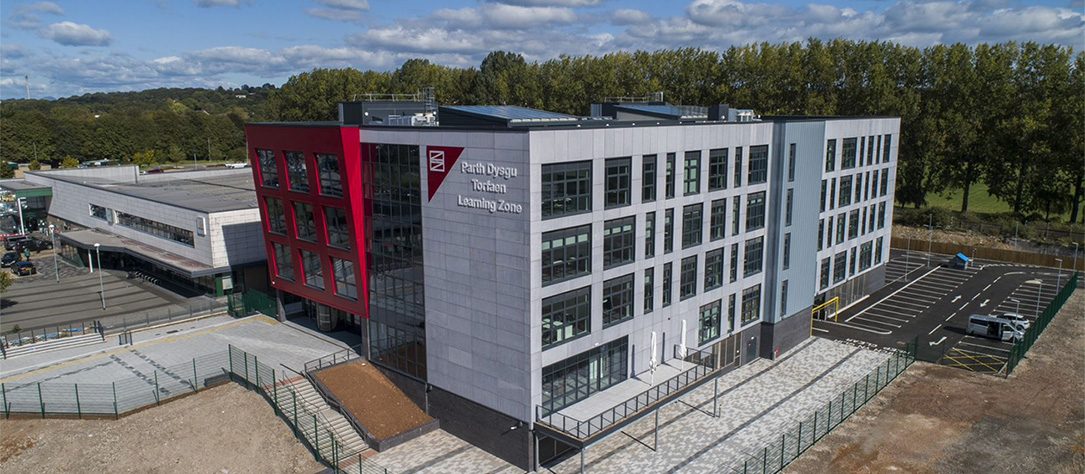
(81, 46)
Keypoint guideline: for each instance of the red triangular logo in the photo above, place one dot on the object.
(439, 162)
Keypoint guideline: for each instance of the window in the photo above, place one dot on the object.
(331, 182)
(276, 216)
(619, 241)
(717, 228)
(314, 273)
(338, 232)
(669, 185)
(832, 193)
(668, 231)
(862, 227)
(738, 166)
(731, 312)
(692, 225)
(269, 168)
(840, 266)
(845, 191)
(345, 285)
(853, 224)
(873, 212)
(829, 226)
(754, 254)
(841, 226)
(878, 153)
(824, 280)
(862, 150)
(783, 298)
(787, 251)
(709, 327)
(668, 277)
(885, 148)
(617, 182)
(873, 184)
(100, 212)
(789, 205)
(648, 178)
(755, 211)
(791, 163)
(830, 155)
(870, 150)
(858, 187)
(566, 254)
(566, 316)
(848, 154)
(821, 234)
(881, 215)
(296, 170)
(717, 169)
(759, 165)
(823, 191)
(736, 206)
(734, 263)
(649, 290)
(566, 189)
(692, 177)
(617, 300)
(304, 221)
(155, 228)
(284, 265)
(687, 287)
(884, 188)
(650, 235)
(578, 377)
(751, 304)
(852, 260)
(713, 269)
(865, 255)
(878, 251)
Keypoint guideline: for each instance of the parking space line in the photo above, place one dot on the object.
(985, 347)
(888, 317)
(891, 294)
(879, 322)
(879, 311)
(875, 331)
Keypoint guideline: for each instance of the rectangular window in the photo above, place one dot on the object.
(824, 184)
(759, 165)
(788, 207)
(713, 269)
(566, 316)
(787, 251)
(829, 234)
(338, 232)
(617, 300)
(870, 150)
(717, 169)
(692, 177)
(566, 189)
(783, 298)
(754, 254)
(578, 377)
(848, 154)
(668, 277)
(155, 228)
(830, 155)
(858, 187)
(650, 235)
(692, 225)
(736, 207)
(284, 265)
(617, 182)
(878, 251)
(840, 267)
(297, 171)
(669, 184)
(734, 263)
(345, 285)
(884, 188)
(885, 148)
(331, 181)
(872, 184)
(841, 227)
(738, 166)
(832, 194)
(619, 241)
(566, 254)
(878, 153)
(791, 163)
(751, 304)
(269, 168)
(821, 234)
(824, 281)
(881, 215)
(688, 285)
(852, 262)
(276, 216)
(865, 254)
(648, 178)
(314, 271)
(853, 224)
(873, 212)
(668, 231)
(862, 150)
(717, 228)
(304, 221)
(100, 212)
(862, 227)
(755, 211)
(845, 191)
(649, 290)
(709, 327)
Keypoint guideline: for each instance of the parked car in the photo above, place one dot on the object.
(8, 259)
(14, 241)
(1017, 319)
(38, 245)
(24, 268)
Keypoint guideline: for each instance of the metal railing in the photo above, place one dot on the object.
(345, 355)
(48, 333)
(704, 364)
(1021, 347)
(796, 438)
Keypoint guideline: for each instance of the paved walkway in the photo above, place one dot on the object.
(440, 452)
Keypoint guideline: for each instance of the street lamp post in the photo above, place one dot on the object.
(1017, 311)
(1041, 280)
(907, 253)
(930, 238)
(53, 240)
(1058, 285)
(1073, 268)
(101, 286)
(19, 204)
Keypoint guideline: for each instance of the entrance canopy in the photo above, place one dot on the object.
(110, 242)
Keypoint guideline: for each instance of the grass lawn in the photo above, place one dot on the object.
(978, 201)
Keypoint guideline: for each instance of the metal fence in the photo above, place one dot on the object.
(47, 333)
(799, 437)
(1020, 348)
(127, 322)
(251, 301)
(345, 355)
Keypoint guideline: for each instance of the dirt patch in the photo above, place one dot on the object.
(380, 406)
(940, 419)
(225, 429)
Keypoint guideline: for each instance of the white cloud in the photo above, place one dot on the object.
(501, 16)
(339, 10)
(359, 5)
(217, 3)
(27, 17)
(552, 3)
(76, 34)
(628, 16)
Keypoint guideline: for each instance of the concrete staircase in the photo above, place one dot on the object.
(53, 344)
(351, 444)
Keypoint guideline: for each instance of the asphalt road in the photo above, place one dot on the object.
(931, 304)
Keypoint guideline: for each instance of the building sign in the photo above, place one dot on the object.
(439, 161)
(490, 181)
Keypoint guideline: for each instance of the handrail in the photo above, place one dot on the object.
(338, 357)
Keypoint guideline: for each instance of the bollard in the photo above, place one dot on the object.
(78, 406)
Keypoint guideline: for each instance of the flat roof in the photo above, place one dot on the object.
(111, 242)
(20, 185)
(225, 190)
(668, 111)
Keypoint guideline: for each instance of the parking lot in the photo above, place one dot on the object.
(932, 302)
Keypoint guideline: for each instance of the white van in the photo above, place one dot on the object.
(994, 327)
(1017, 320)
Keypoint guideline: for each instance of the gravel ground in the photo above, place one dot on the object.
(941, 419)
(226, 429)
(374, 400)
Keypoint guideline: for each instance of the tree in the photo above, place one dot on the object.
(34, 165)
(6, 170)
(69, 161)
(144, 158)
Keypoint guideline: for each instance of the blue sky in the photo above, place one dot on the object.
(75, 47)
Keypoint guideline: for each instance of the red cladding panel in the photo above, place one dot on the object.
(345, 143)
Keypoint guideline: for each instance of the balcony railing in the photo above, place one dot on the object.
(345, 355)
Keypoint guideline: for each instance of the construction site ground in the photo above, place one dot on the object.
(381, 407)
(226, 429)
(941, 419)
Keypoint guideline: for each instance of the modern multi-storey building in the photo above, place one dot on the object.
(522, 263)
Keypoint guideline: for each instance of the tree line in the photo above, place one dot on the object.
(1008, 115)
